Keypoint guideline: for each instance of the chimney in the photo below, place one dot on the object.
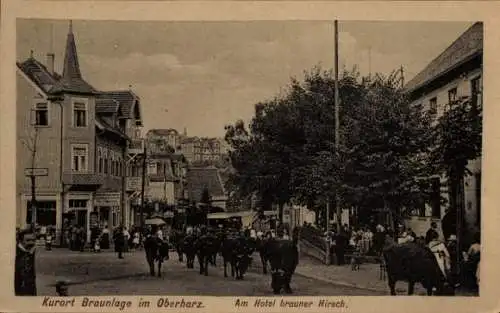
(50, 62)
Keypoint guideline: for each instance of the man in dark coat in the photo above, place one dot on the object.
(431, 233)
(119, 242)
(25, 275)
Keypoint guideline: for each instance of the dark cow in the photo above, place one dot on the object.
(188, 247)
(236, 250)
(262, 246)
(206, 246)
(413, 262)
(156, 252)
(283, 258)
(177, 241)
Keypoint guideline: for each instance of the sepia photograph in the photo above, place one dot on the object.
(248, 158)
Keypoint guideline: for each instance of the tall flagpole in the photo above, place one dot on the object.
(337, 121)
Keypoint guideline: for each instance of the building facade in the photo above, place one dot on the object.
(199, 150)
(455, 73)
(79, 139)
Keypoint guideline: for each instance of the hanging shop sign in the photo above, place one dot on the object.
(108, 199)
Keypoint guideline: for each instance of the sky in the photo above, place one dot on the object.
(201, 76)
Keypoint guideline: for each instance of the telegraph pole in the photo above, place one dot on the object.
(143, 188)
(337, 120)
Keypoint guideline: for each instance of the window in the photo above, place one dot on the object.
(45, 213)
(100, 160)
(41, 114)
(475, 88)
(79, 155)
(78, 204)
(433, 105)
(105, 165)
(452, 95)
(80, 114)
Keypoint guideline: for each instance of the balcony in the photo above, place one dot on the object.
(92, 181)
(83, 180)
(136, 146)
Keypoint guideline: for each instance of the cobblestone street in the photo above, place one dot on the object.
(104, 274)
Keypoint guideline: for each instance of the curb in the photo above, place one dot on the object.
(326, 280)
(338, 282)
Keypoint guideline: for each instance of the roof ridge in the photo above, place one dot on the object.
(419, 79)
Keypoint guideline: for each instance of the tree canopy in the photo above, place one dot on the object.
(288, 154)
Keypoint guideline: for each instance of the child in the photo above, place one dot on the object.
(356, 257)
(48, 241)
(97, 244)
(135, 241)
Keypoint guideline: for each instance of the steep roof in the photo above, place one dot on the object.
(200, 178)
(38, 73)
(103, 125)
(162, 132)
(106, 106)
(72, 80)
(468, 45)
(126, 98)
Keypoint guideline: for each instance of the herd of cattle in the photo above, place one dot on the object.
(408, 262)
(235, 248)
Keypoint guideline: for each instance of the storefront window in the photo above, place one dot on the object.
(45, 213)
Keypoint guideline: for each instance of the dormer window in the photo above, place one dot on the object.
(80, 113)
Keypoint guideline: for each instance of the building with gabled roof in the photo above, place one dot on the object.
(84, 140)
(201, 178)
(455, 73)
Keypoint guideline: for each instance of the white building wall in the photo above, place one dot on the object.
(463, 85)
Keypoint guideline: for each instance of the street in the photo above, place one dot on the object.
(99, 274)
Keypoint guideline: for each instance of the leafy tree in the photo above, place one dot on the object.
(457, 138)
(288, 154)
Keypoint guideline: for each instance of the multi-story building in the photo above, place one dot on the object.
(166, 173)
(83, 139)
(455, 73)
(164, 139)
(197, 149)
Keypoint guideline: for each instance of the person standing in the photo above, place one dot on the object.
(431, 233)
(25, 274)
(451, 245)
(119, 242)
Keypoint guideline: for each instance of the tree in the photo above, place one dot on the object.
(457, 139)
(32, 145)
(288, 154)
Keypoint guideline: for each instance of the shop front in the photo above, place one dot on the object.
(107, 208)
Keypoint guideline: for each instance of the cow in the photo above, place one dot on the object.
(283, 258)
(177, 241)
(206, 247)
(414, 262)
(156, 252)
(236, 250)
(262, 244)
(188, 247)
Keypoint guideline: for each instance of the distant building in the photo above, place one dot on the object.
(455, 73)
(84, 139)
(199, 179)
(164, 139)
(203, 150)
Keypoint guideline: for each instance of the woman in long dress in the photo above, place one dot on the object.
(441, 253)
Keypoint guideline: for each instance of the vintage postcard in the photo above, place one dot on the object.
(249, 156)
